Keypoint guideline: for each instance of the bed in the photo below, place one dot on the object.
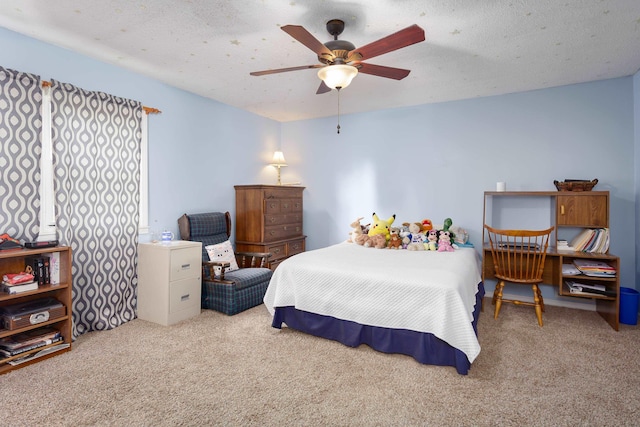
(424, 304)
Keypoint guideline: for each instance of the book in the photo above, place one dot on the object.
(570, 270)
(40, 353)
(37, 267)
(594, 268)
(24, 339)
(42, 343)
(16, 289)
(54, 268)
(582, 239)
(585, 289)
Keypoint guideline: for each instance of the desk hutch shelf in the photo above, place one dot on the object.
(569, 212)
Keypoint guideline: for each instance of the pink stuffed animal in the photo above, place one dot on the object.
(444, 242)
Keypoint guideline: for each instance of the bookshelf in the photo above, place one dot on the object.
(570, 212)
(14, 261)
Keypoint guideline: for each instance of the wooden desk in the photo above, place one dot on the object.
(607, 307)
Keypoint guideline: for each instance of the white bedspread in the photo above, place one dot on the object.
(424, 291)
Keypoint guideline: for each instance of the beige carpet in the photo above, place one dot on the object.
(219, 370)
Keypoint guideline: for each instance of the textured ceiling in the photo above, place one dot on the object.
(472, 48)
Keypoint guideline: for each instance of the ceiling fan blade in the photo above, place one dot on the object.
(306, 38)
(403, 38)
(323, 88)
(383, 71)
(283, 70)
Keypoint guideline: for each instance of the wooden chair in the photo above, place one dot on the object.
(233, 291)
(518, 257)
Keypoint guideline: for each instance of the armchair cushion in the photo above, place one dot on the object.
(222, 252)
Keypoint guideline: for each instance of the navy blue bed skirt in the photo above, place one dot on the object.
(424, 347)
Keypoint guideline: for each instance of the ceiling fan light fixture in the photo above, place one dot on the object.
(337, 76)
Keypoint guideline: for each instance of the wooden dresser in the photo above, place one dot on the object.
(269, 219)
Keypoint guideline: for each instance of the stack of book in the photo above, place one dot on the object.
(593, 240)
(594, 268)
(578, 288)
(18, 282)
(27, 341)
(563, 245)
(41, 268)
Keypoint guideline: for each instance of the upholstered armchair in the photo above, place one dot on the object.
(229, 292)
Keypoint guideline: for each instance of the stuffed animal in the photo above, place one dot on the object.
(381, 226)
(444, 242)
(461, 236)
(357, 230)
(432, 240)
(426, 225)
(395, 242)
(362, 239)
(415, 240)
(379, 241)
(404, 232)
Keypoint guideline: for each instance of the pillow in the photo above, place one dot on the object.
(222, 252)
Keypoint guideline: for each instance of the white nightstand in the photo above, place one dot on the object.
(169, 281)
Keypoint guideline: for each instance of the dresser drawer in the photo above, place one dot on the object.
(282, 206)
(277, 252)
(280, 193)
(295, 247)
(276, 219)
(281, 232)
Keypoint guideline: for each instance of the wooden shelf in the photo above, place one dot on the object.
(569, 210)
(13, 261)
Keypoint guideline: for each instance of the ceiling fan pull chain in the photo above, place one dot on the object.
(338, 109)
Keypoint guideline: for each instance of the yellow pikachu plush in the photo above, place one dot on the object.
(380, 226)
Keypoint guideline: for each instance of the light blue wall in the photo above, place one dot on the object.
(198, 148)
(435, 161)
(430, 161)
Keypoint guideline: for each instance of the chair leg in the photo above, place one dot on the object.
(495, 294)
(539, 304)
(497, 298)
(541, 299)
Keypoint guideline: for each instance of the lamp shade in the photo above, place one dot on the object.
(278, 159)
(337, 76)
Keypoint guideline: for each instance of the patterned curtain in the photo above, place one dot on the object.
(20, 149)
(96, 150)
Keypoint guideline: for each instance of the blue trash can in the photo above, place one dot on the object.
(629, 306)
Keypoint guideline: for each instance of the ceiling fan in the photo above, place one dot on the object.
(341, 60)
